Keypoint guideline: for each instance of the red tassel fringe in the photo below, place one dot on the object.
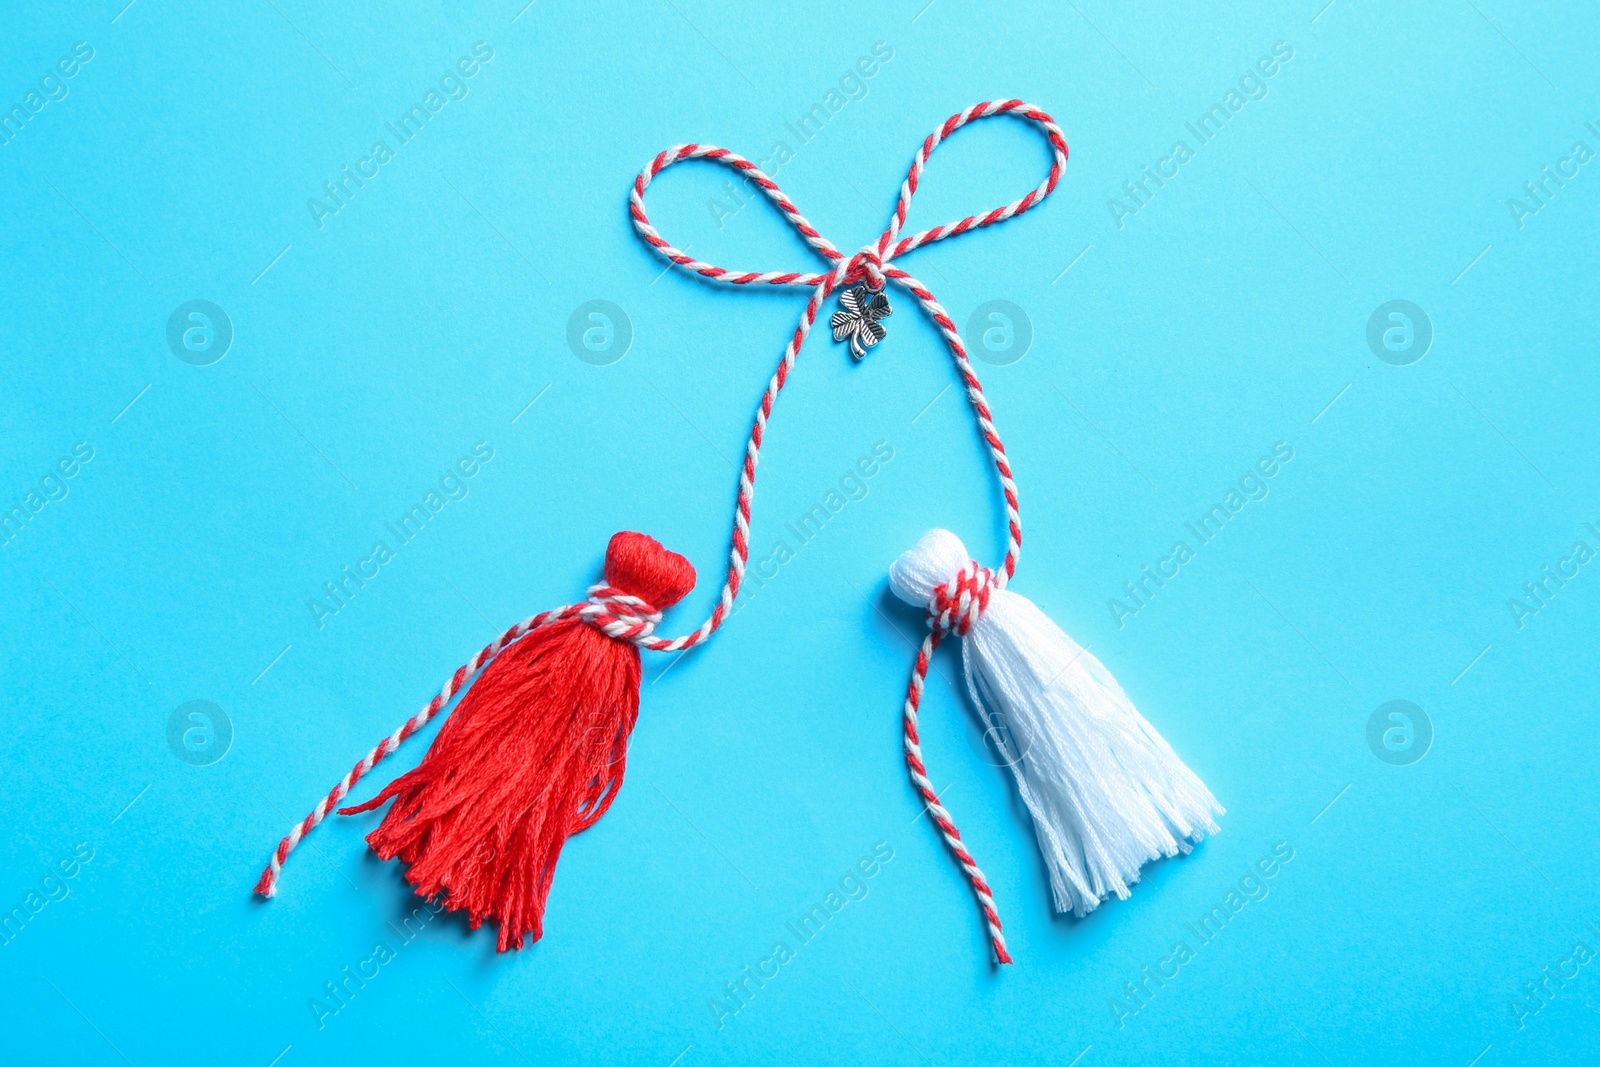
(534, 753)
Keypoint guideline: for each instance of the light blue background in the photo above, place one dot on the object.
(368, 355)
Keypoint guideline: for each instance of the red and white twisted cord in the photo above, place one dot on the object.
(870, 261)
(954, 609)
(936, 809)
(609, 610)
(871, 264)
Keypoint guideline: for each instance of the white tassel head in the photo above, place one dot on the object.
(937, 574)
(927, 565)
(1106, 792)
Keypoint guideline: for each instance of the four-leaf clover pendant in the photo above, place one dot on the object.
(859, 319)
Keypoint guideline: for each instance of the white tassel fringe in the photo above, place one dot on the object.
(1106, 792)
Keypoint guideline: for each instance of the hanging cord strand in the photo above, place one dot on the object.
(954, 609)
(872, 264)
(936, 809)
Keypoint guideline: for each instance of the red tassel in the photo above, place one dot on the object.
(533, 754)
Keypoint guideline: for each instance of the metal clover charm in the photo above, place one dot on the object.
(859, 319)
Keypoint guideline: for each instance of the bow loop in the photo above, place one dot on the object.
(872, 263)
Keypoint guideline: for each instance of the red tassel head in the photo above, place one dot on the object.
(534, 753)
(638, 565)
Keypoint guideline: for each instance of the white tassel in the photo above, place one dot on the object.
(1106, 793)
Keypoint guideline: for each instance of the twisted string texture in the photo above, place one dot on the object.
(624, 618)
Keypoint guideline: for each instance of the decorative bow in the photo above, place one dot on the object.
(862, 307)
(871, 265)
